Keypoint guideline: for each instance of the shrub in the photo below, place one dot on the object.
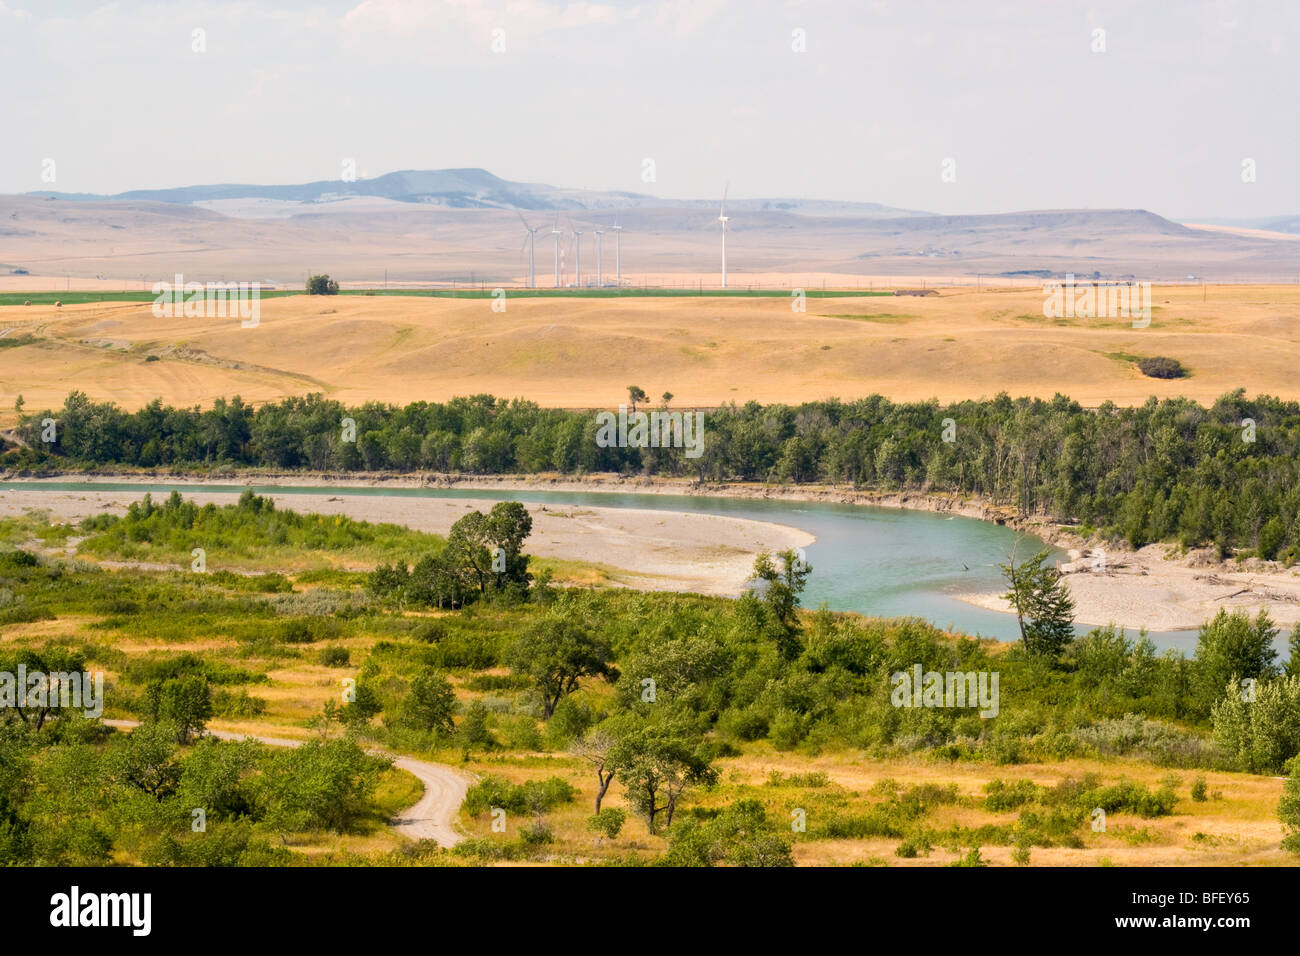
(1009, 796)
(608, 822)
(1198, 790)
(308, 630)
(913, 847)
(334, 656)
(1160, 367)
(788, 729)
(236, 704)
(814, 778)
(535, 796)
(430, 632)
(1160, 743)
(747, 724)
(1288, 808)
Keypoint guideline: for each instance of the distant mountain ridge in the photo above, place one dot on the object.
(1289, 224)
(475, 189)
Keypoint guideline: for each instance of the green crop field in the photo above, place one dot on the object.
(83, 298)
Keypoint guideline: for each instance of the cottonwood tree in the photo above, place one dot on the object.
(146, 760)
(56, 665)
(556, 653)
(430, 704)
(322, 285)
(1233, 644)
(1042, 602)
(474, 539)
(779, 590)
(183, 702)
(657, 763)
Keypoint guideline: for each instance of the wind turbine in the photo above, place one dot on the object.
(600, 281)
(577, 259)
(618, 259)
(532, 237)
(556, 231)
(722, 218)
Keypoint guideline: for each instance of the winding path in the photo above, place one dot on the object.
(432, 817)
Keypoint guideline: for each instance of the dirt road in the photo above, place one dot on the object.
(429, 818)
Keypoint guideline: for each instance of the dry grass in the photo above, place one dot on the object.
(585, 352)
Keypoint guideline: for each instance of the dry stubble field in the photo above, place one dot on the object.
(706, 351)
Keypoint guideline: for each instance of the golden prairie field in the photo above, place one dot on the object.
(578, 352)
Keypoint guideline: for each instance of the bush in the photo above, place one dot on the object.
(1288, 808)
(1010, 796)
(308, 630)
(788, 729)
(1160, 743)
(236, 704)
(913, 847)
(335, 656)
(608, 822)
(1160, 367)
(1198, 790)
(747, 724)
(430, 632)
(535, 796)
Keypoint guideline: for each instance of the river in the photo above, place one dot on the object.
(879, 561)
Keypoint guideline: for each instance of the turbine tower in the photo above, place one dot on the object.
(532, 237)
(556, 231)
(600, 280)
(577, 259)
(618, 259)
(722, 218)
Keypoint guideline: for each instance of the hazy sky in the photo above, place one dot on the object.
(711, 90)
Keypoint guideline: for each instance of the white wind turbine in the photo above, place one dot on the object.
(600, 281)
(618, 259)
(532, 237)
(722, 218)
(577, 259)
(557, 232)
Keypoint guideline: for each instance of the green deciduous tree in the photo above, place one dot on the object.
(1233, 644)
(557, 653)
(183, 702)
(1263, 734)
(322, 285)
(430, 703)
(656, 763)
(322, 785)
(1042, 602)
